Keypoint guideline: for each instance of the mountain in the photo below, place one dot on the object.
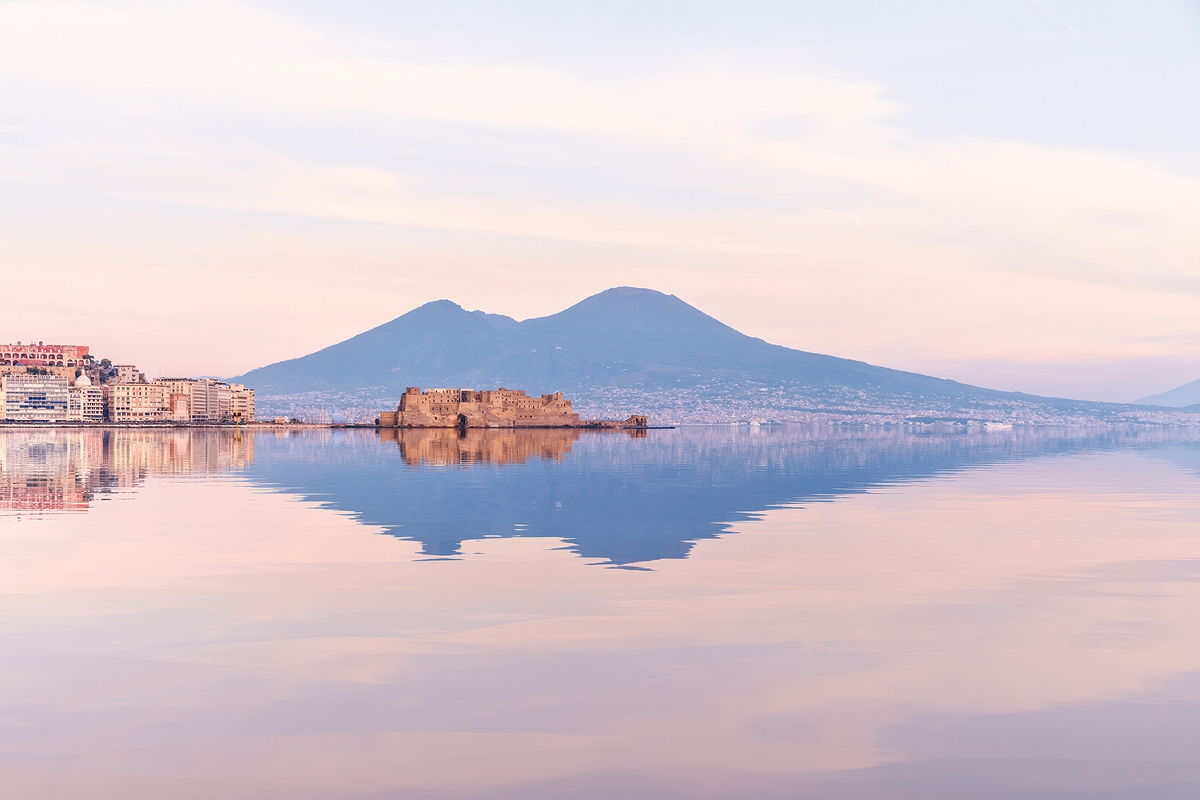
(620, 337)
(621, 348)
(1179, 397)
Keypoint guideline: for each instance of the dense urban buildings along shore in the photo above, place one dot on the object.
(41, 383)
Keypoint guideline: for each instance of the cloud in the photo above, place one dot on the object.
(223, 139)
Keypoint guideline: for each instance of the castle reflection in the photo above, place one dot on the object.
(450, 446)
(66, 469)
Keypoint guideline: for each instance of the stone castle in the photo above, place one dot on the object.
(497, 408)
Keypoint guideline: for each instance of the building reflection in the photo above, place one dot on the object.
(65, 469)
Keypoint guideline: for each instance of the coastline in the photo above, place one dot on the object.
(20, 425)
(920, 424)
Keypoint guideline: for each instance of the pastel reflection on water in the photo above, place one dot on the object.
(819, 614)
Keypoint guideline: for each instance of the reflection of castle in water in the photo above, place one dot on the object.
(65, 469)
(450, 446)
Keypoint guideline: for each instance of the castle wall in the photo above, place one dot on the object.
(499, 408)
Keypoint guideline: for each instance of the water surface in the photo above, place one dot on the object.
(691, 613)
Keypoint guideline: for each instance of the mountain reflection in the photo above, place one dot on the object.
(613, 497)
(619, 499)
(66, 469)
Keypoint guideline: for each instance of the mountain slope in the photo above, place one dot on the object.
(1179, 397)
(632, 348)
(439, 338)
(622, 337)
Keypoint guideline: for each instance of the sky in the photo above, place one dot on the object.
(1005, 193)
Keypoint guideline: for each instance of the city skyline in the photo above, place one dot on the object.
(56, 384)
(1000, 198)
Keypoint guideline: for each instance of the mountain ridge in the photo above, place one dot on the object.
(441, 339)
(626, 342)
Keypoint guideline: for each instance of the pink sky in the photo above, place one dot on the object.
(1006, 197)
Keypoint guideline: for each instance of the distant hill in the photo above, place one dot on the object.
(634, 345)
(1179, 397)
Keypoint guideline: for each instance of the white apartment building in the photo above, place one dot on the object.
(224, 401)
(242, 401)
(211, 401)
(85, 403)
(33, 398)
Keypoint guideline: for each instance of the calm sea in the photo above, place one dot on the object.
(694, 613)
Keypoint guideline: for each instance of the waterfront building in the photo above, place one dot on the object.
(33, 398)
(43, 355)
(201, 396)
(224, 401)
(179, 397)
(181, 407)
(85, 402)
(211, 400)
(136, 402)
(203, 399)
(242, 400)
